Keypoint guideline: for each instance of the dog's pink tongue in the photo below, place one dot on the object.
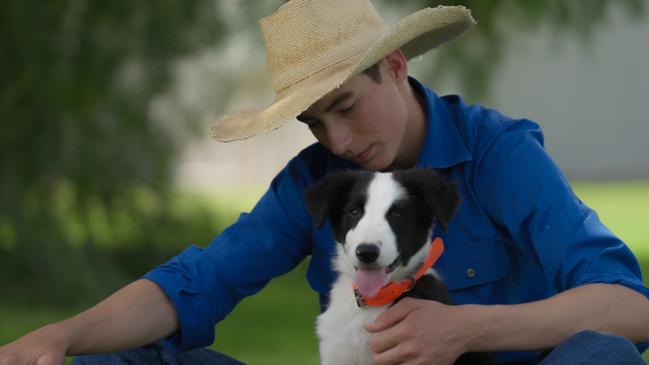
(370, 281)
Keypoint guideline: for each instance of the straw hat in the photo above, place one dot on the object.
(313, 46)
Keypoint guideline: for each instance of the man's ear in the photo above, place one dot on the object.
(397, 65)
(327, 196)
(437, 192)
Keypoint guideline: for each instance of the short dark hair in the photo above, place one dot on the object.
(373, 72)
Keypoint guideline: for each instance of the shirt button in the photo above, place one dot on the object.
(470, 272)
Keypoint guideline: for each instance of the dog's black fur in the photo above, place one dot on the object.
(431, 199)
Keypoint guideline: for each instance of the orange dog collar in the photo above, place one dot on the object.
(393, 290)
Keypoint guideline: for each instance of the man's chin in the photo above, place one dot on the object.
(377, 162)
(375, 165)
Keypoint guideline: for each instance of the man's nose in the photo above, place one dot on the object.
(339, 137)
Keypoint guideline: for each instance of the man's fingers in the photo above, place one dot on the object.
(385, 340)
(12, 354)
(391, 316)
(399, 354)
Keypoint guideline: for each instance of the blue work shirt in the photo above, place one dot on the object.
(519, 235)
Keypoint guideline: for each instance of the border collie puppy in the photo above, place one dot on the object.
(383, 224)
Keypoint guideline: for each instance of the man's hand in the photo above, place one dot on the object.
(136, 315)
(416, 331)
(45, 346)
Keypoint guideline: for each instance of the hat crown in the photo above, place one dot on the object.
(314, 46)
(305, 37)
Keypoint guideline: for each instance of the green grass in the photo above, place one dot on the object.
(276, 326)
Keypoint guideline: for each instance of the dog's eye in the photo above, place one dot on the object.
(354, 212)
(397, 213)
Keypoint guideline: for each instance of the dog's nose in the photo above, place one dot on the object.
(367, 252)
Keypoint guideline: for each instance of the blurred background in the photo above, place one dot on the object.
(107, 169)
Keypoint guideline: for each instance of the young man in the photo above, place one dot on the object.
(530, 266)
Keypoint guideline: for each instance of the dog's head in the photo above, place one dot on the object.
(382, 221)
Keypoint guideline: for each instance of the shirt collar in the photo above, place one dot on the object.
(444, 146)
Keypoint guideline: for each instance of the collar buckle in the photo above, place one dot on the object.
(359, 299)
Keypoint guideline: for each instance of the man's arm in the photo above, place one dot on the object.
(137, 314)
(419, 329)
(544, 324)
(203, 283)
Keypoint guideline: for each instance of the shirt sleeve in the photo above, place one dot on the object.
(204, 284)
(525, 193)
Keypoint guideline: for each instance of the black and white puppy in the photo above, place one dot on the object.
(383, 224)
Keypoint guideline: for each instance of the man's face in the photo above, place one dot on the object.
(363, 121)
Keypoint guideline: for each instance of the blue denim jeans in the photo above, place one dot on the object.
(584, 348)
(589, 347)
(157, 354)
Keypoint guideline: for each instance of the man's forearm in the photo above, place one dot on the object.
(546, 323)
(136, 315)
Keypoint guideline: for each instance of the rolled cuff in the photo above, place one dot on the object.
(195, 319)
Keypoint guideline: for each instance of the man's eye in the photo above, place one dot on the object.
(349, 109)
(309, 121)
(312, 123)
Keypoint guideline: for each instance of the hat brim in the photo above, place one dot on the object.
(414, 35)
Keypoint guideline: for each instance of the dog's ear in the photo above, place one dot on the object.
(326, 197)
(439, 193)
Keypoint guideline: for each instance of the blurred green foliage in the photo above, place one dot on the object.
(85, 195)
(84, 170)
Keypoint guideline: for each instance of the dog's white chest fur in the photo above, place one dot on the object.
(343, 340)
(380, 221)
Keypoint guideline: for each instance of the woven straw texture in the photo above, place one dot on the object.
(313, 46)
